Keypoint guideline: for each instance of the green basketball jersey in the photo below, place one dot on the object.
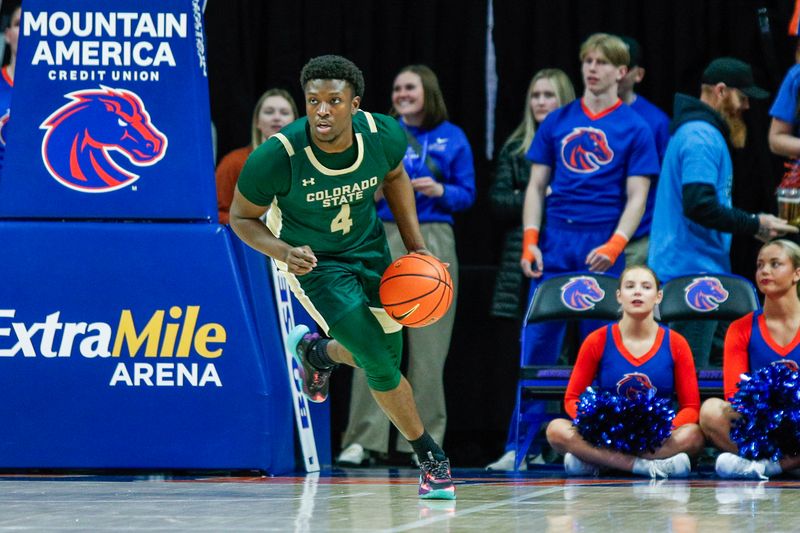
(332, 210)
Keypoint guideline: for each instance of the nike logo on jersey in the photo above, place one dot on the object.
(441, 140)
(309, 181)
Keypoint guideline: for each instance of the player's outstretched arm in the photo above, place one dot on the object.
(245, 221)
(399, 195)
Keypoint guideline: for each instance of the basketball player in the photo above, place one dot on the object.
(766, 337)
(318, 178)
(630, 357)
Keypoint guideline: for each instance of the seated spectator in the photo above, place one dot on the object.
(274, 110)
(661, 360)
(761, 338)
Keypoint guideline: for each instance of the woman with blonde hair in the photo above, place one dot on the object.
(274, 110)
(548, 90)
(765, 337)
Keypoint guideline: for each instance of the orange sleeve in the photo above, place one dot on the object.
(735, 359)
(685, 381)
(226, 176)
(585, 369)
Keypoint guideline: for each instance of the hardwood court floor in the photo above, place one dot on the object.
(385, 500)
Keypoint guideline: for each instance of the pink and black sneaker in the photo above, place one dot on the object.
(435, 482)
(315, 381)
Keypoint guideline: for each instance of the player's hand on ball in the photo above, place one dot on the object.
(300, 260)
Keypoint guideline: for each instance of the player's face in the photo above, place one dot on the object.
(599, 74)
(274, 114)
(330, 107)
(775, 273)
(638, 293)
(543, 99)
(12, 32)
(408, 96)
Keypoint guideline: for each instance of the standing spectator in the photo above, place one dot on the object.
(548, 90)
(439, 162)
(694, 217)
(274, 110)
(596, 154)
(636, 250)
(11, 35)
(784, 133)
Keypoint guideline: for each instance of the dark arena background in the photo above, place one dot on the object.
(254, 45)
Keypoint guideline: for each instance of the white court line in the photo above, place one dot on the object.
(472, 510)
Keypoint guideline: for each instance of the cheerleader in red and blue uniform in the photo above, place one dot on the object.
(766, 337)
(630, 357)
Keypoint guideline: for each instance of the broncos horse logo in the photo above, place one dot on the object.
(633, 384)
(581, 293)
(585, 150)
(84, 135)
(705, 294)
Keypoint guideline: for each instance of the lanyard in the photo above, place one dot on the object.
(414, 170)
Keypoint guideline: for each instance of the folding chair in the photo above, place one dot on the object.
(572, 296)
(708, 297)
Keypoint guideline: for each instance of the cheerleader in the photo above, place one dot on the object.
(630, 357)
(765, 337)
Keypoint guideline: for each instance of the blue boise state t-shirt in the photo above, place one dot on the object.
(591, 157)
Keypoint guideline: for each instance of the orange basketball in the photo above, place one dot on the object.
(416, 290)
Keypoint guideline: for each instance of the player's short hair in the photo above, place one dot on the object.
(434, 108)
(611, 46)
(333, 67)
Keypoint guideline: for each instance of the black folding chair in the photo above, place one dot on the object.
(708, 297)
(573, 296)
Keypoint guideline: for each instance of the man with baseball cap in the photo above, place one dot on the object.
(694, 217)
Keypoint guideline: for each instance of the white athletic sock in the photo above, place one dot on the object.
(772, 468)
(641, 466)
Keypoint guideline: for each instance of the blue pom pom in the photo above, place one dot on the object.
(769, 402)
(629, 425)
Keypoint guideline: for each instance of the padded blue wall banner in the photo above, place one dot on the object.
(109, 114)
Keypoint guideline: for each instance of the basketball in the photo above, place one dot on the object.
(416, 290)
